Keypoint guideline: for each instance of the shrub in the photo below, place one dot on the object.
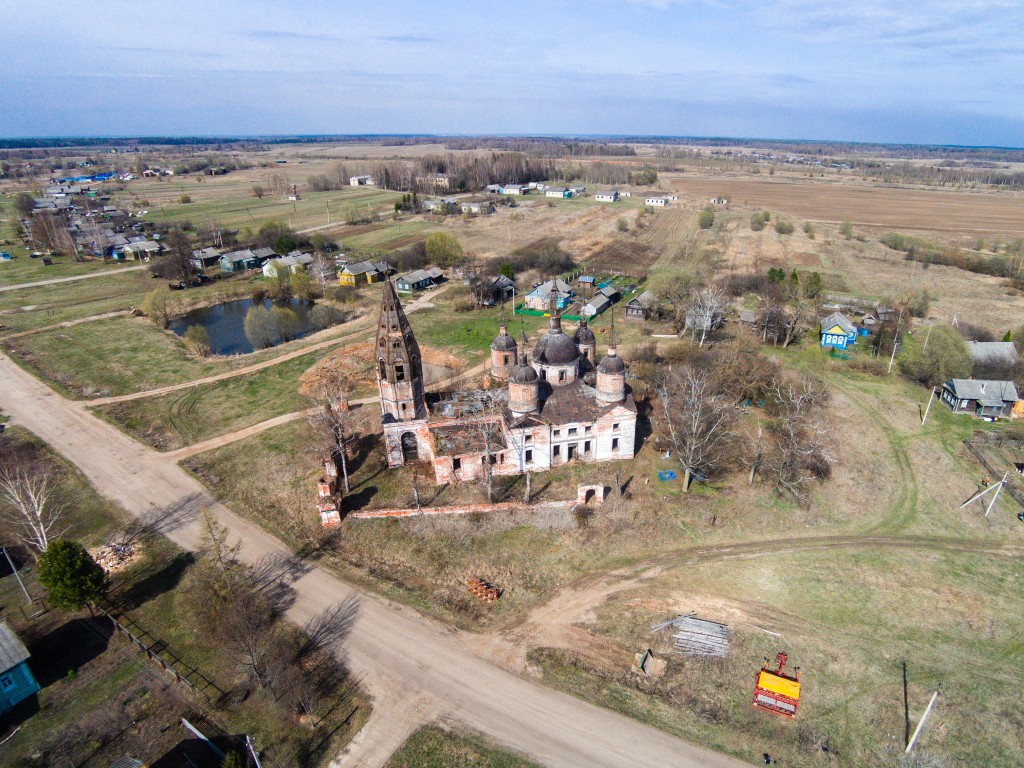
(946, 356)
(808, 230)
(156, 307)
(260, 328)
(846, 229)
(622, 225)
(444, 249)
(757, 221)
(198, 340)
(545, 255)
(706, 218)
(783, 227)
(184, 199)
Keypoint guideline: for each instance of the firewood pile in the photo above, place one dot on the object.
(116, 557)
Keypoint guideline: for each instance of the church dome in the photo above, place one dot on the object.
(503, 342)
(523, 374)
(611, 363)
(554, 347)
(584, 335)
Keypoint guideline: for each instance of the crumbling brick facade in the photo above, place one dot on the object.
(559, 405)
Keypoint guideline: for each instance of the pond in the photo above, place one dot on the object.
(226, 323)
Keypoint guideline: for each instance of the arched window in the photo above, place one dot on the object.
(383, 369)
(399, 371)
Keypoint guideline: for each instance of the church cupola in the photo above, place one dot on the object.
(504, 354)
(399, 368)
(556, 356)
(523, 384)
(611, 378)
(586, 342)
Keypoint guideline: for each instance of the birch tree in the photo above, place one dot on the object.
(698, 420)
(30, 506)
(803, 450)
(705, 311)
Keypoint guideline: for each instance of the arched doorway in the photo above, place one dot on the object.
(410, 449)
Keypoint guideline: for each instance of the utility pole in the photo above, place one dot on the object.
(923, 420)
(917, 731)
(17, 575)
(906, 707)
(996, 494)
(895, 342)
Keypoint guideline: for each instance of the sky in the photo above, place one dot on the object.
(928, 71)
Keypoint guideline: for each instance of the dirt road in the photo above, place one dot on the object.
(56, 280)
(399, 654)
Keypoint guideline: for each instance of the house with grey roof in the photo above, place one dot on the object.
(16, 680)
(640, 307)
(985, 398)
(990, 356)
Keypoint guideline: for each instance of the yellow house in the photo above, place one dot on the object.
(359, 273)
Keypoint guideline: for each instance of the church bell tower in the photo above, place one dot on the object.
(399, 368)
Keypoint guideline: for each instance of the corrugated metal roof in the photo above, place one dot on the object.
(992, 352)
(12, 650)
(986, 391)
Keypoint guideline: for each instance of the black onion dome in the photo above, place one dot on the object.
(611, 363)
(584, 335)
(523, 374)
(555, 348)
(503, 342)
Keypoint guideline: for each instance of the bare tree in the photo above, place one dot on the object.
(705, 311)
(800, 308)
(803, 450)
(30, 506)
(176, 263)
(697, 418)
(51, 231)
(323, 270)
(330, 416)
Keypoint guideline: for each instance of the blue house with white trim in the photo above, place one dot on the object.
(837, 331)
(16, 681)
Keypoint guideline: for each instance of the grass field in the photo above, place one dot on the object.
(197, 413)
(847, 619)
(31, 308)
(231, 204)
(431, 747)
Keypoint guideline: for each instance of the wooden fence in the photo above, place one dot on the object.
(157, 650)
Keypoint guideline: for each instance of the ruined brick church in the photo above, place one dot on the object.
(557, 404)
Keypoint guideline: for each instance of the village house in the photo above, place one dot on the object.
(16, 680)
(513, 189)
(553, 291)
(444, 204)
(239, 261)
(984, 398)
(434, 181)
(143, 250)
(204, 258)
(293, 264)
(837, 332)
(598, 304)
(656, 201)
(990, 357)
(483, 207)
(418, 280)
(640, 307)
(560, 192)
(501, 288)
(578, 190)
(362, 181)
(557, 407)
(607, 196)
(359, 273)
